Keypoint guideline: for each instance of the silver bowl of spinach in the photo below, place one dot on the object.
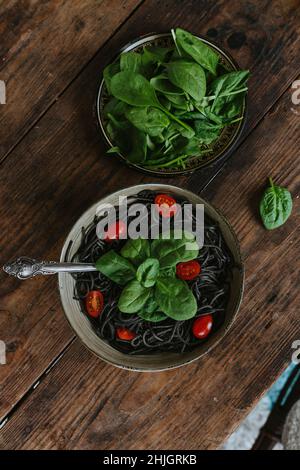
(172, 103)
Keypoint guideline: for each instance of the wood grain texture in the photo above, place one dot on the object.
(199, 405)
(43, 46)
(64, 170)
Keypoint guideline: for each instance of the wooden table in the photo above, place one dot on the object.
(53, 393)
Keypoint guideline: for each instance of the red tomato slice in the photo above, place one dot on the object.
(166, 205)
(125, 335)
(188, 270)
(94, 303)
(202, 326)
(114, 231)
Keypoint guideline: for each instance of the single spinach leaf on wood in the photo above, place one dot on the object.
(175, 299)
(137, 251)
(115, 267)
(133, 297)
(150, 120)
(276, 206)
(188, 76)
(147, 272)
(198, 50)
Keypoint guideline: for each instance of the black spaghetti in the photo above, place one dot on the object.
(211, 290)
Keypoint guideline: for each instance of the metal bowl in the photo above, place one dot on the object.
(159, 361)
(220, 148)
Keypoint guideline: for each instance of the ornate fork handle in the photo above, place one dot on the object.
(25, 268)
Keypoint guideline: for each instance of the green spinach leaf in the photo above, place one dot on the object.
(155, 54)
(133, 297)
(147, 272)
(109, 71)
(150, 120)
(175, 299)
(229, 84)
(171, 251)
(198, 50)
(276, 206)
(153, 317)
(162, 84)
(137, 141)
(115, 267)
(150, 311)
(159, 96)
(229, 106)
(131, 61)
(188, 76)
(179, 101)
(151, 305)
(115, 107)
(207, 132)
(133, 89)
(118, 135)
(137, 251)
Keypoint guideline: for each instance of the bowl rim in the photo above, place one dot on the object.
(240, 267)
(231, 146)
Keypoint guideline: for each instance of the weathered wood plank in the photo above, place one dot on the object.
(43, 46)
(91, 405)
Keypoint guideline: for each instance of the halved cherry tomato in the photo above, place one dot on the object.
(188, 270)
(166, 205)
(125, 335)
(202, 326)
(114, 231)
(94, 303)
